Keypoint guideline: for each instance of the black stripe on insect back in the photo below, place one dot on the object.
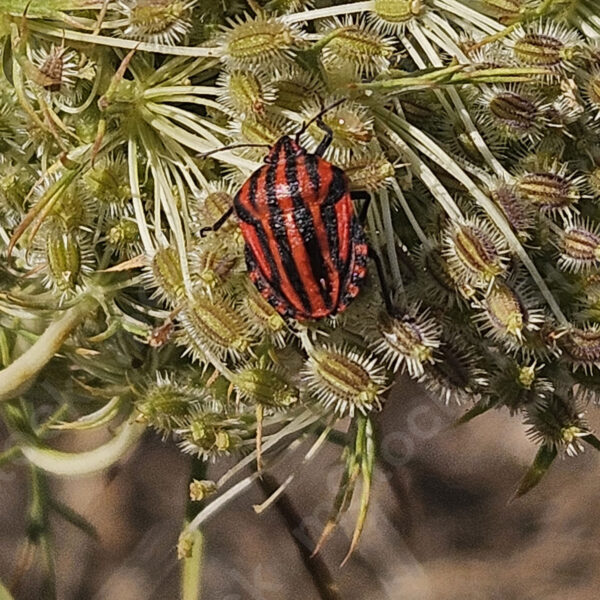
(335, 192)
(306, 227)
(279, 232)
(244, 215)
(312, 166)
(252, 189)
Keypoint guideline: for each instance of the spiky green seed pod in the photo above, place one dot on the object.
(260, 41)
(369, 172)
(344, 379)
(262, 130)
(393, 15)
(165, 402)
(107, 183)
(296, 86)
(167, 274)
(591, 90)
(558, 424)
(266, 386)
(408, 340)
(356, 45)
(266, 319)
(352, 127)
(454, 376)
(245, 92)
(215, 260)
(64, 258)
(215, 325)
(124, 235)
(435, 281)
(159, 21)
(545, 45)
(506, 314)
(72, 209)
(287, 6)
(208, 434)
(506, 10)
(476, 252)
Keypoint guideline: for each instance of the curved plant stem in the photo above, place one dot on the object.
(19, 375)
(74, 464)
(315, 565)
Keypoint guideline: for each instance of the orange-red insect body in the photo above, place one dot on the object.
(306, 251)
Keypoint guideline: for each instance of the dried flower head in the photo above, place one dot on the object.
(202, 489)
(57, 68)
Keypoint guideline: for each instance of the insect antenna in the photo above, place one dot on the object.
(317, 118)
(231, 147)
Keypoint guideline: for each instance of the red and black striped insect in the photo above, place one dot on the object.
(306, 250)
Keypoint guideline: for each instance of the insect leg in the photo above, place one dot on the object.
(385, 290)
(326, 141)
(218, 224)
(366, 198)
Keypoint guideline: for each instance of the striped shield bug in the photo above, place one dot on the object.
(306, 250)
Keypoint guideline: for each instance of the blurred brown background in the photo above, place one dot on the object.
(441, 525)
